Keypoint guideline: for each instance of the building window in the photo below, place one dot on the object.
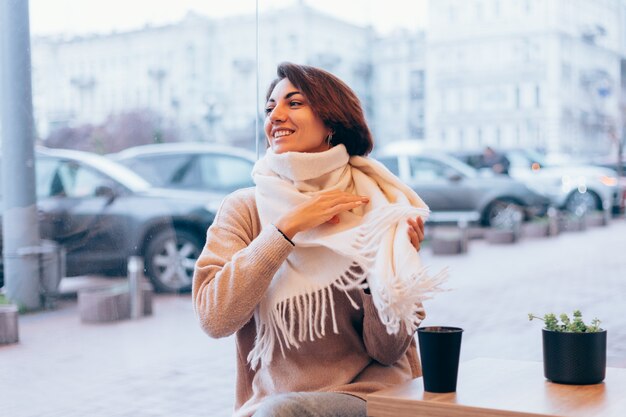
(537, 96)
(417, 84)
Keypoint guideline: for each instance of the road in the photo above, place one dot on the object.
(164, 365)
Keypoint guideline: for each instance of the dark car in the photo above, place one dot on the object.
(191, 165)
(102, 213)
(455, 191)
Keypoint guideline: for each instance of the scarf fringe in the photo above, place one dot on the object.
(401, 303)
(303, 317)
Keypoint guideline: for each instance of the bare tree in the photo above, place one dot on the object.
(117, 132)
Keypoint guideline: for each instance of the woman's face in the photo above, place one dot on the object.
(290, 123)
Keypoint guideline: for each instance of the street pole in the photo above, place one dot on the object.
(19, 216)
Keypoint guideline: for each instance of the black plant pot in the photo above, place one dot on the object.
(574, 358)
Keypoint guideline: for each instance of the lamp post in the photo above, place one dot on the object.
(20, 229)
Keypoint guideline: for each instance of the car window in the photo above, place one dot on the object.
(69, 179)
(391, 162)
(47, 181)
(424, 169)
(161, 170)
(225, 172)
(518, 160)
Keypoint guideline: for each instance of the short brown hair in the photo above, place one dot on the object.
(333, 101)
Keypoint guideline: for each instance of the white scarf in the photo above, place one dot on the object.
(368, 248)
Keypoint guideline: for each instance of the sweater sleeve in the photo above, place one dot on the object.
(235, 267)
(381, 346)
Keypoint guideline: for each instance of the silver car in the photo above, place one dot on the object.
(455, 191)
(191, 166)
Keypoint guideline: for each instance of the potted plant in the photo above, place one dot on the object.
(8, 321)
(573, 352)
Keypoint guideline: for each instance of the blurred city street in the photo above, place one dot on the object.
(163, 365)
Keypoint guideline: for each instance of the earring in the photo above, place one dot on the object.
(329, 139)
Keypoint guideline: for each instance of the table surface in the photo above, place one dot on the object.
(504, 388)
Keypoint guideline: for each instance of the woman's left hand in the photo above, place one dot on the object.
(416, 231)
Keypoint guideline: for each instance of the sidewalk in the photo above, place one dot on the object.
(164, 365)
(161, 365)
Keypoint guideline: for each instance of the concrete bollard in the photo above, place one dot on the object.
(449, 241)
(118, 302)
(8, 324)
(135, 280)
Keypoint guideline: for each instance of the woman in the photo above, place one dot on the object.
(306, 267)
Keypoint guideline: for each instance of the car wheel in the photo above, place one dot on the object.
(504, 214)
(581, 203)
(170, 258)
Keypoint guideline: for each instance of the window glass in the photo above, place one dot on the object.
(225, 173)
(517, 159)
(391, 163)
(424, 169)
(161, 170)
(78, 180)
(48, 181)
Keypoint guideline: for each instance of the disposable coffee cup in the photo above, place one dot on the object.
(440, 349)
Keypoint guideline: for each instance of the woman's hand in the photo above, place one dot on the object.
(416, 231)
(324, 207)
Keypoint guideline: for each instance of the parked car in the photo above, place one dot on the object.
(190, 165)
(455, 191)
(576, 188)
(620, 169)
(102, 213)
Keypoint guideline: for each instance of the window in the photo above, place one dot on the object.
(160, 170)
(424, 169)
(225, 173)
(537, 96)
(58, 178)
(391, 162)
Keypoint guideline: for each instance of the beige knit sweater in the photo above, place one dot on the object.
(231, 276)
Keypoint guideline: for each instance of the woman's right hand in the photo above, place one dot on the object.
(324, 207)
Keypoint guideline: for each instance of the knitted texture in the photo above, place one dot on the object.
(368, 248)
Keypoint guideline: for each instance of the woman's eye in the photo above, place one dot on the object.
(268, 110)
(295, 103)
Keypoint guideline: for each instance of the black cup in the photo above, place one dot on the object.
(440, 349)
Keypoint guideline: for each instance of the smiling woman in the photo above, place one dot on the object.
(322, 217)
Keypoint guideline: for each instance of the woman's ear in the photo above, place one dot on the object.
(329, 138)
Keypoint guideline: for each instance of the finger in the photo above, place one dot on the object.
(348, 198)
(334, 220)
(342, 195)
(413, 237)
(420, 229)
(340, 208)
(420, 235)
(414, 224)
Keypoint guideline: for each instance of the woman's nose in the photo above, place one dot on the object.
(277, 114)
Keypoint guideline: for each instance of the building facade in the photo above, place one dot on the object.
(399, 87)
(536, 73)
(199, 74)
(532, 73)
